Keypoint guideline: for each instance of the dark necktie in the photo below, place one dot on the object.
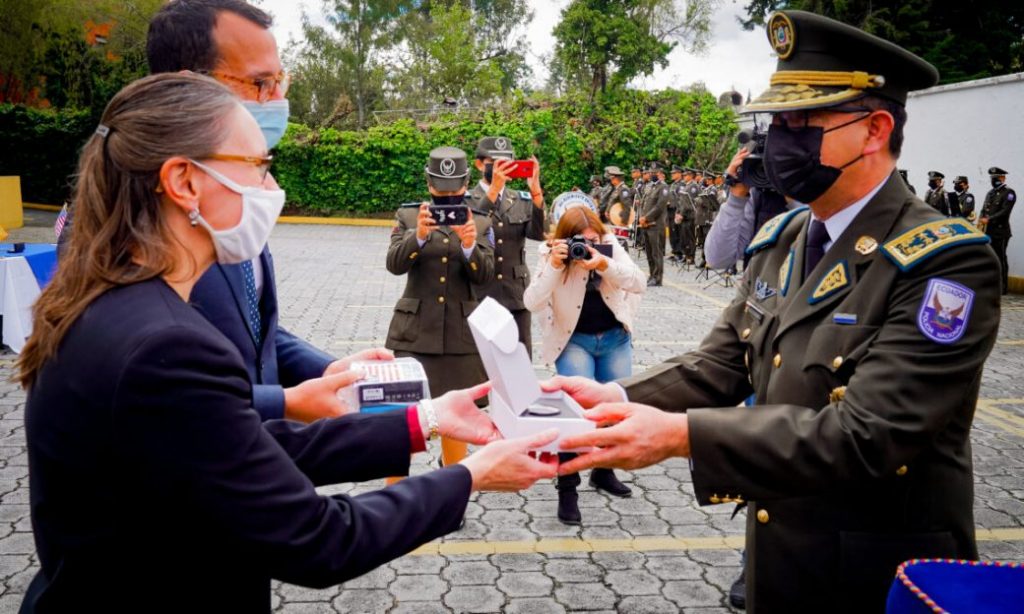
(817, 237)
(252, 301)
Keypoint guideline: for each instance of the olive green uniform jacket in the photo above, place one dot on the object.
(856, 455)
(441, 289)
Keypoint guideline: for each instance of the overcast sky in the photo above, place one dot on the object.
(736, 59)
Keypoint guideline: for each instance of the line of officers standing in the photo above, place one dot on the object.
(687, 207)
(994, 218)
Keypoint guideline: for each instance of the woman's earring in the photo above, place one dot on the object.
(193, 216)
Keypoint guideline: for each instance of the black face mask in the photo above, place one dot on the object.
(448, 200)
(959, 188)
(792, 161)
(996, 182)
(488, 172)
(933, 184)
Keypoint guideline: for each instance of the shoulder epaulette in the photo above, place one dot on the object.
(921, 243)
(769, 233)
(479, 212)
(408, 205)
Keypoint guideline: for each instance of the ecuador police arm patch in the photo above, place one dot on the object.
(945, 310)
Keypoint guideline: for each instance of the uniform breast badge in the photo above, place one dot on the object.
(835, 280)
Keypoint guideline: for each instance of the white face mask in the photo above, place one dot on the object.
(260, 208)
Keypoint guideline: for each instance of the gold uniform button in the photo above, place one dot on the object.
(446, 241)
(444, 259)
(762, 516)
(413, 255)
(837, 395)
(501, 259)
(777, 361)
(837, 362)
(714, 499)
(499, 276)
(745, 334)
(902, 470)
(442, 280)
(440, 299)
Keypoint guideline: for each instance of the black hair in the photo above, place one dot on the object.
(899, 117)
(181, 33)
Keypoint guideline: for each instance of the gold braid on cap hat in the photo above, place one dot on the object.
(856, 79)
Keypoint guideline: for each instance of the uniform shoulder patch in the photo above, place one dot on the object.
(770, 231)
(921, 243)
(1011, 195)
(945, 310)
(525, 195)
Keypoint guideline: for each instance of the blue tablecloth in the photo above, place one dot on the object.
(926, 586)
(41, 258)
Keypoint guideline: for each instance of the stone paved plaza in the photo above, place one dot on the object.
(655, 552)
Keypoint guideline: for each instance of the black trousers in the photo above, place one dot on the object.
(999, 245)
(654, 247)
(675, 235)
(688, 239)
(522, 317)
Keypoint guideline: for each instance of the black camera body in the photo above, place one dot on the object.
(449, 215)
(751, 172)
(578, 245)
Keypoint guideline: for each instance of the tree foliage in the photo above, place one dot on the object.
(964, 40)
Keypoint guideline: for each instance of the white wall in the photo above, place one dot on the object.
(964, 129)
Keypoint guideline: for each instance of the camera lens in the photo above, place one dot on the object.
(578, 251)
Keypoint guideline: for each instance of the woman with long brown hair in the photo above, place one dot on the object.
(586, 289)
(154, 484)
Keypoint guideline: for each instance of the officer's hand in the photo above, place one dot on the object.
(499, 173)
(586, 392)
(459, 418)
(737, 160)
(318, 398)
(508, 465)
(559, 254)
(643, 220)
(597, 262)
(640, 436)
(467, 232)
(342, 364)
(534, 180)
(425, 222)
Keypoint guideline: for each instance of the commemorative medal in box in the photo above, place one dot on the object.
(388, 384)
(518, 406)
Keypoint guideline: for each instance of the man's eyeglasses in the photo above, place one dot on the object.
(265, 86)
(261, 164)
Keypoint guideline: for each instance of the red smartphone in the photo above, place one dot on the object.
(523, 169)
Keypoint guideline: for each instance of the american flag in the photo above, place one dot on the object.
(62, 218)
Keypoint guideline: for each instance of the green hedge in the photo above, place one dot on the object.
(333, 172)
(42, 147)
(330, 171)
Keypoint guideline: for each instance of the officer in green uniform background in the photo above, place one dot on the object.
(653, 211)
(962, 199)
(936, 194)
(861, 325)
(515, 216)
(595, 188)
(675, 214)
(619, 203)
(995, 218)
(446, 267)
(705, 206)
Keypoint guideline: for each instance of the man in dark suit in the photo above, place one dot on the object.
(861, 326)
(230, 40)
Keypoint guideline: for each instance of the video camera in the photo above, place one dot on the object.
(751, 172)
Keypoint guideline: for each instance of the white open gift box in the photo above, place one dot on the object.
(518, 406)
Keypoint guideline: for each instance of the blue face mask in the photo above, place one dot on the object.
(272, 117)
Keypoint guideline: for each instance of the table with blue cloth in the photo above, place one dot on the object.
(22, 276)
(927, 586)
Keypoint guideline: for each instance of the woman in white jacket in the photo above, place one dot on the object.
(585, 308)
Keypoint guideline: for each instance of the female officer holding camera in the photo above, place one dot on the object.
(446, 265)
(586, 301)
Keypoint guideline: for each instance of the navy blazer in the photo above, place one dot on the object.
(155, 487)
(282, 360)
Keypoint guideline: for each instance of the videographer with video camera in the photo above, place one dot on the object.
(752, 202)
(585, 290)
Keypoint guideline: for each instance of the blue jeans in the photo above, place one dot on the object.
(603, 357)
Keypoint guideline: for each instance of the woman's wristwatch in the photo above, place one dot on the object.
(433, 429)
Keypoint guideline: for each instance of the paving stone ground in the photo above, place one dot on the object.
(655, 552)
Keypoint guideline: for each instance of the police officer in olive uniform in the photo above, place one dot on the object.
(620, 199)
(446, 268)
(515, 216)
(705, 206)
(936, 195)
(961, 201)
(675, 214)
(688, 212)
(995, 218)
(862, 336)
(595, 189)
(653, 213)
